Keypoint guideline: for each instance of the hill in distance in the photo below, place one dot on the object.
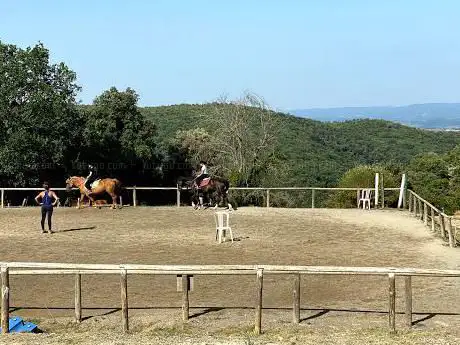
(428, 115)
(318, 153)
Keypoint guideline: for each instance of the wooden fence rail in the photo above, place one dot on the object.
(179, 190)
(419, 207)
(184, 272)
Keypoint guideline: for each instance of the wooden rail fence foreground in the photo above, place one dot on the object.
(185, 271)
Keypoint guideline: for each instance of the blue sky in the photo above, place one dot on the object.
(294, 53)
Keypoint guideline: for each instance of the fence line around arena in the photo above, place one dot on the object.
(178, 190)
(185, 273)
(434, 218)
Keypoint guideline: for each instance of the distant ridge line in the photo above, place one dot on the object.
(424, 115)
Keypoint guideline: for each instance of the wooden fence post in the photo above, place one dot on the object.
(260, 284)
(377, 186)
(425, 214)
(124, 300)
(268, 198)
(296, 299)
(420, 207)
(185, 297)
(415, 206)
(392, 303)
(178, 196)
(312, 198)
(432, 219)
(134, 197)
(410, 201)
(408, 304)
(78, 298)
(443, 225)
(2, 197)
(450, 233)
(383, 191)
(5, 319)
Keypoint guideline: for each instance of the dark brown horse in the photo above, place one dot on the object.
(213, 189)
(111, 186)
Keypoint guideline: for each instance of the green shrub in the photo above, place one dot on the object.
(363, 176)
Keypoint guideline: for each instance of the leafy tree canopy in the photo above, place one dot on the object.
(39, 122)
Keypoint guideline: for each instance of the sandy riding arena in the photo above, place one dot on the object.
(335, 309)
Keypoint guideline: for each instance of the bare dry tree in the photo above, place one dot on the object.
(239, 141)
(198, 144)
(244, 135)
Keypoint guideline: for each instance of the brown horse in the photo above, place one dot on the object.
(110, 186)
(214, 189)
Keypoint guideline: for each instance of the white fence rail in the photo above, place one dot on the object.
(178, 190)
(184, 273)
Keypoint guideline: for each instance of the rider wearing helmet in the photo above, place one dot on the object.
(202, 174)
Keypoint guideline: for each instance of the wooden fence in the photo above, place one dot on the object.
(432, 217)
(378, 199)
(184, 272)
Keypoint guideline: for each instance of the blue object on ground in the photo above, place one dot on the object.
(17, 325)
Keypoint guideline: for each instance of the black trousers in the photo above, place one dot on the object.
(90, 180)
(46, 210)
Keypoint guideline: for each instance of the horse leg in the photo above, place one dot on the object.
(91, 201)
(82, 196)
(114, 201)
(227, 203)
(194, 197)
(201, 199)
(195, 202)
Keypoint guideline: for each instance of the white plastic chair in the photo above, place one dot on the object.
(222, 219)
(365, 198)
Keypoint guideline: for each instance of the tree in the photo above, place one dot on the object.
(245, 133)
(363, 176)
(118, 138)
(197, 143)
(39, 122)
(238, 141)
(428, 175)
(436, 177)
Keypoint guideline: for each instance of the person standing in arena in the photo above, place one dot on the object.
(47, 205)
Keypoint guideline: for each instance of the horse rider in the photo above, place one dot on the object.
(202, 174)
(47, 205)
(90, 178)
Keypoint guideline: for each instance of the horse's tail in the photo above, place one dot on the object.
(118, 187)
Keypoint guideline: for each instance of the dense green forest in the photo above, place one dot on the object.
(318, 153)
(46, 135)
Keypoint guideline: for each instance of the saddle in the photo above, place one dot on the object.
(95, 183)
(204, 182)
